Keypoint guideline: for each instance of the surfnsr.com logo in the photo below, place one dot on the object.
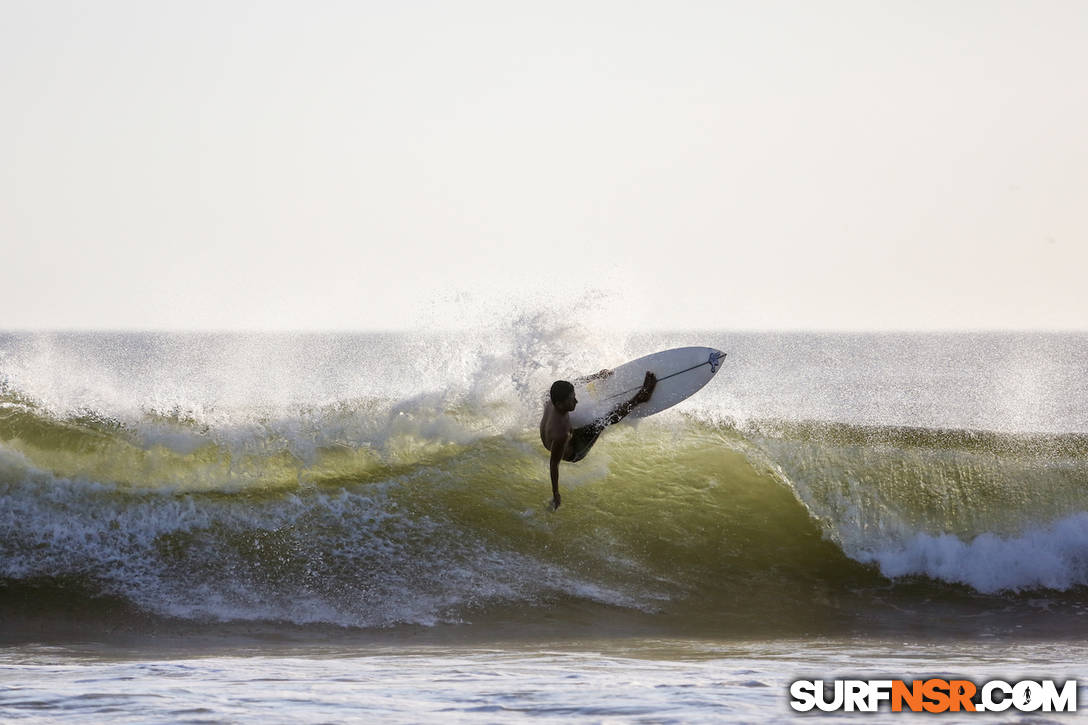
(933, 695)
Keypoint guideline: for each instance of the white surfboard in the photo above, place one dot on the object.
(681, 372)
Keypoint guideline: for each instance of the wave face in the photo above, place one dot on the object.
(379, 480)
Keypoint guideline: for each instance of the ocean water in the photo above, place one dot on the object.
(336, 527)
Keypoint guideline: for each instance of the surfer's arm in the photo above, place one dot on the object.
(558, 445)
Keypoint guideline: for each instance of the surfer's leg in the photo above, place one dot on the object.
(581, 440)
(620, 411)
(615, 416)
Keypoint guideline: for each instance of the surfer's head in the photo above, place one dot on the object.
(563, 395)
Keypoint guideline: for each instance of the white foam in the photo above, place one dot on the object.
(1054, 557)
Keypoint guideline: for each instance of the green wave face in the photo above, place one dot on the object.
(384, 513)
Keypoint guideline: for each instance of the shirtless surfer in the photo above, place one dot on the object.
(573, 445)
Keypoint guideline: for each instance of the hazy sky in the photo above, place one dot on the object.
(359, 165)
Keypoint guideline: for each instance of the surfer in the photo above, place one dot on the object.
(573, 445)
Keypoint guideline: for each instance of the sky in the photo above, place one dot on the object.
(338, 165)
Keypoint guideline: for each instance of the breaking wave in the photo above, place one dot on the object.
(381, 480)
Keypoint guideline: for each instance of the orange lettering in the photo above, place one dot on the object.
(961, 692)
(912, 695)
(936, 691)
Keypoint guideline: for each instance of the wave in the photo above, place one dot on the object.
(379, 512)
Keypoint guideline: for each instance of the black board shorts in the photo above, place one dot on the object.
(582, 439)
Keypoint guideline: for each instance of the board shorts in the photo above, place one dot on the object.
(582, 439)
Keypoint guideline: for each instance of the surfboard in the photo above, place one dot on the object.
(681, 372)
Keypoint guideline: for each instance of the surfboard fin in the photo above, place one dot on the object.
(715, 360)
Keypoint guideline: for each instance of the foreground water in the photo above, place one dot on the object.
(591, 680)
(228, 527)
